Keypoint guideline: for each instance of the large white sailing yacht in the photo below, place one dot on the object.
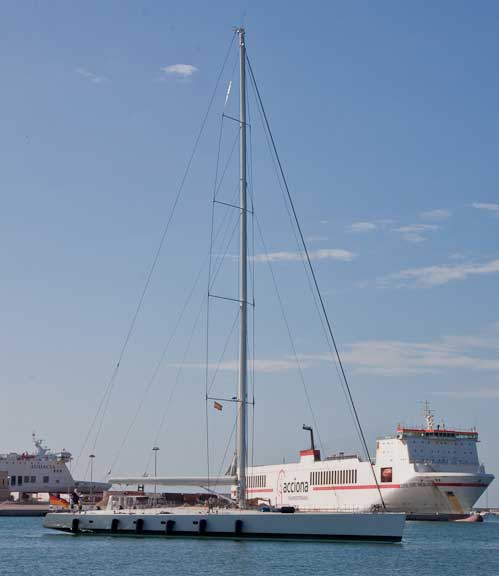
(241, 521)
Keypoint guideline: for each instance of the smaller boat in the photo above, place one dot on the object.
(44, 471)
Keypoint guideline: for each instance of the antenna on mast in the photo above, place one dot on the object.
(428, 416)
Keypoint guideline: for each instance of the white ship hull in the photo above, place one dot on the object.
(44, 471)
(423, 473)
(233, 524)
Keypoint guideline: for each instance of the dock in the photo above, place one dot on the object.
(32, 510)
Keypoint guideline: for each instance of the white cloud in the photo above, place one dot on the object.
(470, 394)
(360, 227)
(489, 206)
(180, 70)
(91, 77)
(435, 215)
(370, 226)
(429, 276)
(261, 365)
(390, 357)
(316, 238)
(323, 254)
(460, 255)
(395, 358)
(417, 228)
(415, 232)
(413, 238)
(483, 342)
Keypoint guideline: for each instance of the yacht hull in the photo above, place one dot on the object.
(381, 527)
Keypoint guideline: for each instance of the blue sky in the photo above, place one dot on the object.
(386, 120)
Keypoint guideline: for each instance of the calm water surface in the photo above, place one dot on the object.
(429, 549)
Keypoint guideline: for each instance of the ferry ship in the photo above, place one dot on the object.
(44, 471)
(430, 473)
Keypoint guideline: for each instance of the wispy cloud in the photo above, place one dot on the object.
(316, 238)
(473, 353)
(91, 77)
(415, 232)
(429, 276)
(392, 357)
(181, 71)
(269, 365)
(460, 256)
(364, 226)
(488, 206)
(435, 215)
(361, 227)
(471, 394)
(323, 254)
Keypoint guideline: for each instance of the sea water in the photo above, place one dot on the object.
(429, 548)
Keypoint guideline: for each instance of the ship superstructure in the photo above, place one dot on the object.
(43, 471)
(427, 471)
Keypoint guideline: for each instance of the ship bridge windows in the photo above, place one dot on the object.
(45, 479)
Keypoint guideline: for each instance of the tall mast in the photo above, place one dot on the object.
(243, 286)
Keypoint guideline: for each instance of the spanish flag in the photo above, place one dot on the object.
(217, 406)
(55, 500)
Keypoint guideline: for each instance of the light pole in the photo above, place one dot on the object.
(92, 456)
(155, 450)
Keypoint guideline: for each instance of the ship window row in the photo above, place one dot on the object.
(333, 477)
(21, 480)
(259, 481)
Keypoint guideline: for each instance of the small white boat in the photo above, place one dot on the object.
(242, 522)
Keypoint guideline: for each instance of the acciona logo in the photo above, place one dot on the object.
(294, 487)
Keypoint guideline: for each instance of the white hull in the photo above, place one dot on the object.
(419, 472)
(233, 524)
(44, 471)
(416, 494)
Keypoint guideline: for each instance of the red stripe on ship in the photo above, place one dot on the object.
(364, 487)
(374, 487)
(253, 490)
(459, 484)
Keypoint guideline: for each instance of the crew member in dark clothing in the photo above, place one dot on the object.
(75, 500)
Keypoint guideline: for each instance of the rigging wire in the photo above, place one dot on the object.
(252, 277)
(207, 296)
(182, 364)
(316, 284)
(307, 274)
(104, 402)
(276, 288)
(222, 355)
(216, 189)
(158, 366)
(288, 329)
(229, 442)
(176, 381)
(170, 339)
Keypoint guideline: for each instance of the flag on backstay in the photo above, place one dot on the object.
(217, 406)
(55, 500)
